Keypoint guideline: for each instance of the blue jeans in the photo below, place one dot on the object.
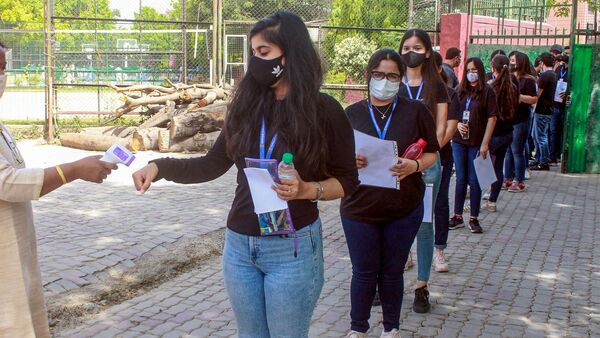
(498, 148)
(529, 143)
(516, 160)
(378, 253)
(556, 133)
(272, 293)
(442, 205)
(465, 174)
(541, 126)
(433, 176)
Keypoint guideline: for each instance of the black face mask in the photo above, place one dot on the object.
(413, 59)
(266, 72)
(512, 67)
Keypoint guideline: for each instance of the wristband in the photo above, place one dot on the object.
(418, 166)
(61, 174)
(320, 191)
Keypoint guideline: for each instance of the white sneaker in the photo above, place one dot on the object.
(440, 264)
(356, 334)
(486, 195)
(392, 334)
(527, 174)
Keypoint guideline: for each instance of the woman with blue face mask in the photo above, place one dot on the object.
(380, 224)
(424, 83)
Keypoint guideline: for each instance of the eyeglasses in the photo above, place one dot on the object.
(13, 148)
(392, 77)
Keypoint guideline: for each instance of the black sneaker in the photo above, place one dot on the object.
(376, 300)
(541, 167)
(532, 163)
(474, 226)
(456, 223)
(421, 303)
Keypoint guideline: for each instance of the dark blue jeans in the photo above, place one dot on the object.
(442, 205)
(556, 133)
(465, 174)
(530, 143)
(516, 160)
(498, 148)
(378, 253)
(541, 128)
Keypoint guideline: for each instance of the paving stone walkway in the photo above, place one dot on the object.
(535, 272)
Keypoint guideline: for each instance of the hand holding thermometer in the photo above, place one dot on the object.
(118, 154)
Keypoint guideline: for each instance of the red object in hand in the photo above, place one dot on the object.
(415, 150)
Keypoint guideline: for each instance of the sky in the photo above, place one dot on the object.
(128, 7)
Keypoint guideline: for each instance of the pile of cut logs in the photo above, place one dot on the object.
(181, 118)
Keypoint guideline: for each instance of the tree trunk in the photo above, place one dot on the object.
(91, 142)
(145, 139)
(197, 143)
(163, 141)
(205, 120)
(120, 131)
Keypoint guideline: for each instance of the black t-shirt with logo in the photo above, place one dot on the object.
(547, 85)
(411, 120)
(483, 106)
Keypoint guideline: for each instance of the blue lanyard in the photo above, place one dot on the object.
(387, 124)
(468, 103)
(263, 136)
(563, 73)
(410, 92)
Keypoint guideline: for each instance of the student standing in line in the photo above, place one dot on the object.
(274, 282)
(543, 112)
(453, 56)
(490, 75)
(423, 82)
(558, 114)
(442, 206)
(505, 86)
(475, 129)
(380, 224)
(516, 158)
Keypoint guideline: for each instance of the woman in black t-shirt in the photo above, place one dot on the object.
(274, 282)
(516, 158)
(424, 83)
(380, 224)
(507, 97)
(478, 103)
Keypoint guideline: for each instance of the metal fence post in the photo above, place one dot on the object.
(184, 41)
(49, 69)
(215, 37)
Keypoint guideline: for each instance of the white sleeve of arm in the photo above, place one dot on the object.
(19, 185)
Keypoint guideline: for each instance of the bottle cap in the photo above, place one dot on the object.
(288, 158)
(422, 143)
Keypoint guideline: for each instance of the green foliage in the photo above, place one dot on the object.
(351, 56)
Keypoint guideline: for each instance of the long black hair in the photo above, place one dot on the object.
(507, 93)
(301, 127)
(439, 62)
(464, 88)
(522, 65)
(429, 72)
(381, 55)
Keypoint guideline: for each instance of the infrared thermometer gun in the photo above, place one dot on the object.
(118, 154)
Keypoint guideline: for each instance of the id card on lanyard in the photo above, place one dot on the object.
(275, 222)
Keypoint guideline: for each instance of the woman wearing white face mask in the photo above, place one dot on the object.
(475, 129)
(380, 224)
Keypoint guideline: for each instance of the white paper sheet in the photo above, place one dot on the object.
(428, 204)
(561, 87)
(381, 156)
(484, 168)
(265, 199)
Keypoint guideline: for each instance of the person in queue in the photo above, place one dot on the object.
(274, 282)
(475, 129)
(380, 224)
(423, 82)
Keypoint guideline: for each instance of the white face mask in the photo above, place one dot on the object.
(3, 79)
(383, 89)
(472, 77)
